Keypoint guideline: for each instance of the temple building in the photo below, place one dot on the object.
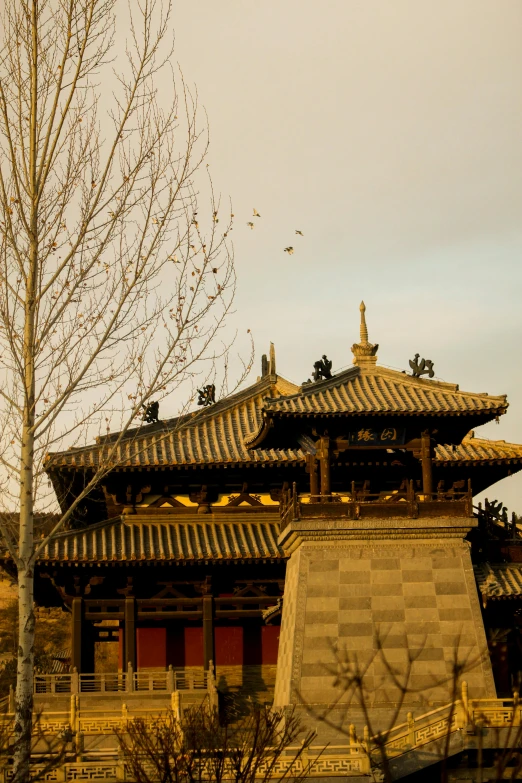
(270, 531)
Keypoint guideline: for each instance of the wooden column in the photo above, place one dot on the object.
(77, 618)
(208, 631)
(427, 476)
(312, 470)
(130, 634)
(324, 462)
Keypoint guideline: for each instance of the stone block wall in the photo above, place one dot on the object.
(379, 604)
(290, 643)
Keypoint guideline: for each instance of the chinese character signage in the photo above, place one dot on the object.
(369, 436)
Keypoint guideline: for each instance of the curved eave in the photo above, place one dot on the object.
(491, 413)
(255, 441)
(137, 540)
(270, 417)
(512, 597)
(448, 463)
(277, 463)
(149, 561)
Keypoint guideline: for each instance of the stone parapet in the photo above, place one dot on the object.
(318, 529)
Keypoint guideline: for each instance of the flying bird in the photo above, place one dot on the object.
(299, 232)
(256, 213)
(250, 225)
(289, 250)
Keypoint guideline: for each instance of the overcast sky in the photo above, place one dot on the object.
(390, 133)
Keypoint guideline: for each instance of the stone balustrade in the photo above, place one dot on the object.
(356, 758)
(129, 682)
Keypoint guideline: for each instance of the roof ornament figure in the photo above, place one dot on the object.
(364, 353)
(322, 368)
(151, 413)
(207, 395)
(422, 367)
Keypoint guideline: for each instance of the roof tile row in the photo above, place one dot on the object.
(130, 539)
(498, 580)
(479, 450)
(380, 390)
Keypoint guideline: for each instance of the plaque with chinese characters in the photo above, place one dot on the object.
(384, 436)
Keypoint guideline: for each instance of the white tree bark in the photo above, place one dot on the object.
(26, 618)
(24, 675)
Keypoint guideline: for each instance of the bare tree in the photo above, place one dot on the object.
(355, 679)
(201, 748)
(114, 290)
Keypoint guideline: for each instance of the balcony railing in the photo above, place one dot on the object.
(170, 680)
(127, 682)
(364, 504)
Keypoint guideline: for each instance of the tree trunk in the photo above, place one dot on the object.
(26, 619)
(25, 663)
(24, 677)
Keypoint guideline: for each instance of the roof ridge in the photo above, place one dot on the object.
(430, 382)
(186, 420)
(224, 404)
(324, 383)
(403, 376)
(268, 382)
(474, 438)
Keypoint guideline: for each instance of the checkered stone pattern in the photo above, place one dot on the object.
(287, 637)
(380, 606)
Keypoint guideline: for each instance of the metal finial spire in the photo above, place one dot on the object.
(364, 353)
(364, 328)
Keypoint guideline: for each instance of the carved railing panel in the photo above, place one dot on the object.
(151, 681)
(52, 683)
(102, 683)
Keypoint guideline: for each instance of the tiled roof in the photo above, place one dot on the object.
(221, 433)
(131, 539)
(496, 581)
(215, 435)
(379, 390)
(479, 450)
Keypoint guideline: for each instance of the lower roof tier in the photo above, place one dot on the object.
(498, 581)
(158, 450)
(129, 539)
